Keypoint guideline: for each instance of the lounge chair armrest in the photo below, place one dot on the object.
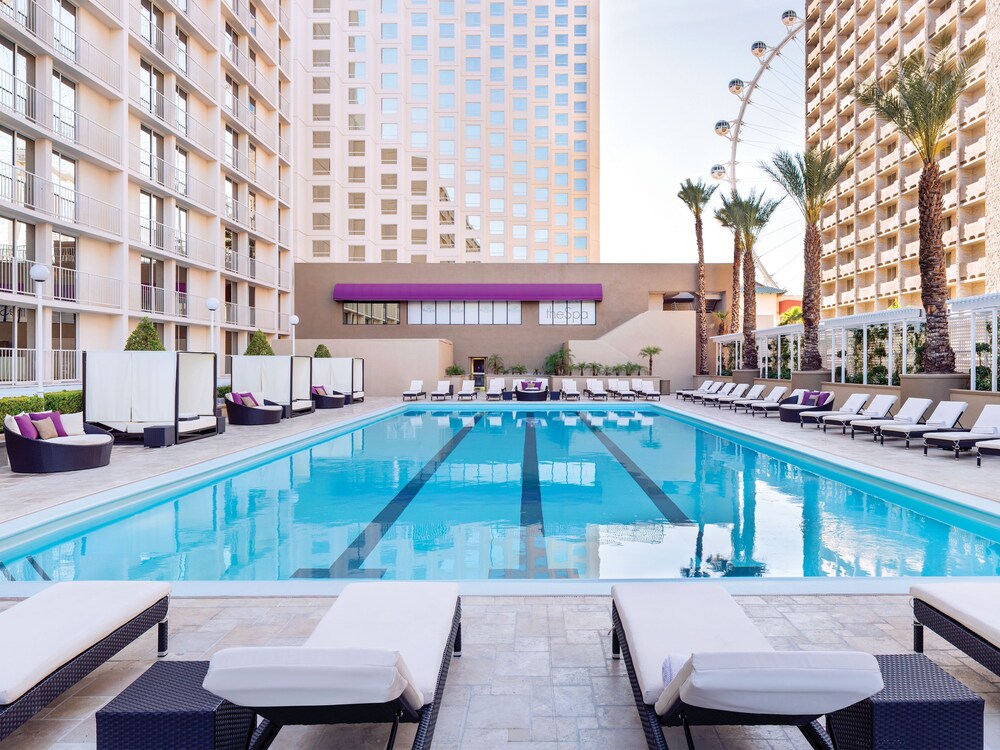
(794, 683)
(302, 676)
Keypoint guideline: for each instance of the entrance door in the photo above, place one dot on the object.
(477, 366)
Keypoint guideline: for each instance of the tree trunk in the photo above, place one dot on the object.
(939, 357)
(702, 317)
(734, 301)
(811, 359)
(749, 310)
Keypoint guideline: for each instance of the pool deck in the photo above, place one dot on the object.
(536, 673)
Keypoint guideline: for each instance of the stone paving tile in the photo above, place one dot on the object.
(519, 693)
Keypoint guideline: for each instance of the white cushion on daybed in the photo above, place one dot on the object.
(40, 634)
(10, 424)
(302, 405)
(73, 423)
(790, 683)
(413, 618)
(669, 618)
(81, 440)
(975, 605)
(303, 676)
(196, 425)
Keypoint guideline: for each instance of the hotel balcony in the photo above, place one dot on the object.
(868, 172)
(976, 31)
(253, 122)
(64, 285)
(866, 292)
(888, 192)
(911, 249)
(887, 257)
(239, 162)
(284, 237)
(890, 224)
(41, 116)
(17, 366)
(911, 283)
(58, 203)
(911, 215)
(180, 60)
(152, 235)
(251, 220)
(888, 287)
(847, 212)
(974, 112)
(848, 295)
(154, 300)
(975, 269)
(848, 268)
(975, 190)
(950, 236)
(250, 268)
(866, 233)
(253, 28)
(973, 151)
(190, 129)
(112, 7)
(974, 230)
(829, 274)
(285, 150)
(32, 20)
(254, 76)
(867, 203)
(159, 172)
(197, 20)
(866, 262)
(830, 300)
(245, 316)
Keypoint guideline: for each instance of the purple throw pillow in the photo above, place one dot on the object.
(56, 421)
(248, 399)
(823, 398)
(319, 390)
(24, 425)
(524, 385)
(808, 398)
(237, 399)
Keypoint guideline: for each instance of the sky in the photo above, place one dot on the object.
(665, 66)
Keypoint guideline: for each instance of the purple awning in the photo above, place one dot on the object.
(450, 292)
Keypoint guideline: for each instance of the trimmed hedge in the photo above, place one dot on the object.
(222, 390)
(65, 402)
(11, 405)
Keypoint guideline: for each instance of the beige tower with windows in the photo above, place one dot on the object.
(869, 228)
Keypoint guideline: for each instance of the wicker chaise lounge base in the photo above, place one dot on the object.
(955, 611)
(987, 448)
(373, 658)
(50, 642)
(269, 413)
(27, 456)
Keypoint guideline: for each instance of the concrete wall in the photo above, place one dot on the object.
(390, 364)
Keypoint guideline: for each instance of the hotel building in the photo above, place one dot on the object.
(869, 228)
(146, 160)
(453, 131)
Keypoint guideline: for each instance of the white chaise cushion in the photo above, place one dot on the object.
(413, 618)
(302, 405)
(300, 676)
(40, 634)
(73, 423)
(789, 683)
(195, 425)
(10, 424)
(80, 440)
(665, 619)
(974, 605)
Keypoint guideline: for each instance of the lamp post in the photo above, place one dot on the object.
(212, 304)
(293, 320)
(39, 274)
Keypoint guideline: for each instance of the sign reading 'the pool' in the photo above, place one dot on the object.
(567, 313)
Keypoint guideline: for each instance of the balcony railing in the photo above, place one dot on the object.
(250, 120)
(252, 25)
(148, 233)
(251, 268)
(34, 20)
(255, 173)
(155, 300)
(284, 279)
(29, 191)
(285, 149)
(17, 366)
(157, 170)
(248, 317)
(155, 103)
(113, 7)
(254, 220)
(42, 111)
(254, 75)
(170, 51)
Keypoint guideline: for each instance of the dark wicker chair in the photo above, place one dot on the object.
(328, 400)
(249, 415)
(27, 456)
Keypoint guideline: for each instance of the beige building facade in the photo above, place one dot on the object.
(146, 163)
(447, 132)
(869, 228)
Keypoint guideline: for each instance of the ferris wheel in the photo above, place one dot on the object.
(771, 117)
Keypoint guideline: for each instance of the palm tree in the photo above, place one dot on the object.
(696, 195)
(809, 180)
(751, 214)
(919, 97)
(791, 316)
(651, 351)
(726, 217)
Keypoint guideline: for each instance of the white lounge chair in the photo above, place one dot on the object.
(637, 386)
(494, 391)
(443, 391)
(596, 390)
(767, 407)
(695, 658)
(754, 394)
(714, 388)
(852, 407)
(415, 391)
(380, 654)
(739, 391)
(649, 391)
(911, 412)
(879, 407)
(964, 614)
(987, 448)
(725, 390)
(944, 417)
(569, 390)
(774, 396)
(468, 390)
(623, 391)
(987, 427)
(53, 640)
(705, 385)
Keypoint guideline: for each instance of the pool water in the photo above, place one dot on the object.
(570, 493)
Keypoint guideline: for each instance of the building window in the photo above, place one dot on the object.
(485, 312)
(321, 248)
(355, 148)
(390, 207)
(356, 253)
(371, 313)
(567, 313)
(180, 338)
(389, 256)
(321, 193)
(356, 227)
(321, 222)
(355, 200)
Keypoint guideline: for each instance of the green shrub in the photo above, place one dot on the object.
(64, 402)
(454, 370)
(222, 390)
(258, 346)
(17, 404)
(144, 338)
(322, 352)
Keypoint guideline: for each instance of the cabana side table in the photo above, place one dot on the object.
(922, 707)
(168, 709)
(159, 436)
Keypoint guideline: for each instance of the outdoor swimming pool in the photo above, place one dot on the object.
(565, 492)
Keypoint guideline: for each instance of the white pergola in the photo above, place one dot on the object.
(764, 336)
(898, 320)
(721, 342)
(966, 314)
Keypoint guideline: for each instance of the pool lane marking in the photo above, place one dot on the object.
(667, 507)
(348, 565)
(38, 568)
(6, 573)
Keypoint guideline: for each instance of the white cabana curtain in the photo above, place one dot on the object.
(196, 383)
(340, 374)
(358, 368)
(276, 378)
(301, 378)
(322, 372)
(131, 387)
(154, 386)
(108, 383)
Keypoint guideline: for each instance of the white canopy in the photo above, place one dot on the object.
(281, 379)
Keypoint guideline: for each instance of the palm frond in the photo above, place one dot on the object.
(696, 195)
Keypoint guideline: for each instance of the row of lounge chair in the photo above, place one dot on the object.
(495, 390)
(863, 414)
(382, 653)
